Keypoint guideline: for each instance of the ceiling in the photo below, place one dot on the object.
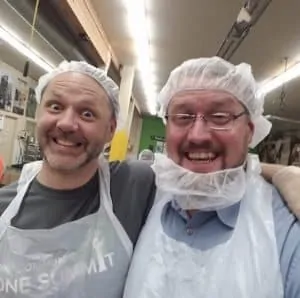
(275, 37)
(55, 38)
(180, 30)
(10, 19)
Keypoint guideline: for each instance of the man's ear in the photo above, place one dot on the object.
(251, 131)
(111, 130)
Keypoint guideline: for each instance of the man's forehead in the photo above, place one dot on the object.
(74, 80)
(211, 97)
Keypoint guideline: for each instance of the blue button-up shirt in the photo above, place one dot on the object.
(217, 226)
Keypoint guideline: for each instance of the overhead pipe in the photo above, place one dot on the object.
(247, 18)
(62, 45)
(272, 117)
(32, 31)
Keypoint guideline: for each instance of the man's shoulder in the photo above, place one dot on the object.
(285, 222)
(132, 190)
(287, 230)
(281, 211)
(9, 188)
(7, 193)
(135, 178)
(132, 170)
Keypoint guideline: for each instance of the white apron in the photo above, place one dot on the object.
(246, 266)
(86, 258)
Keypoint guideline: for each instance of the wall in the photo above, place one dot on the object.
(135, 135)
(152, 128)
(14, 108)
(133, 127)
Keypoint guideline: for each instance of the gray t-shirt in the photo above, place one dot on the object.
(132, 192)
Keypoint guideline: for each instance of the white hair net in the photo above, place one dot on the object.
(97, 74)
(147, 155)
(217, 74)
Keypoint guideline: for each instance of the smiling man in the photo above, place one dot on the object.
(218, 112)
(68, 227)
(217, 228)
(75, 121)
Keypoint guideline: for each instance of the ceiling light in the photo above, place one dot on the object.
(139, 29)
(271, 84)
(23, 48)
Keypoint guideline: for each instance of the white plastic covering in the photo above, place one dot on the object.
(244, 266)
(70, 260)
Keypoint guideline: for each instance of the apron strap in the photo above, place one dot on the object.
(106, 203)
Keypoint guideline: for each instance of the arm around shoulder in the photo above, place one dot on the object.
(287, 181)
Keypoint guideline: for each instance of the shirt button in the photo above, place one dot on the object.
(189, 231)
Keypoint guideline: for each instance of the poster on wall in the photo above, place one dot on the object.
(20, 97)
(295, 155)
(160, 144)
(31, 104)
(6, 89)
(284, 149)
(159, 147)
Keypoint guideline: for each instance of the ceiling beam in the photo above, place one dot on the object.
(89, 20)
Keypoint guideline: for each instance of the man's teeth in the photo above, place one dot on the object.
(202, 155)
(66, 143)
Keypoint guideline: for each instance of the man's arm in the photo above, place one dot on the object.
(269, 170)
(287, 181)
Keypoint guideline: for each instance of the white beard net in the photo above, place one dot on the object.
(209, 191)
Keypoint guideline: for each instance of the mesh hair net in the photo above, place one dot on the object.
(146, 155)
(97, 74)
(217, 74)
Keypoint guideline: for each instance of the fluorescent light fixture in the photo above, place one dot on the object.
(23, 48)
(271, 84)
(139, 28)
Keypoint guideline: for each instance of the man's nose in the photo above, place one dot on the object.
(199, 131)
(68, 121)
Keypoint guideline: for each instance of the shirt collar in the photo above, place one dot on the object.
(228, 216)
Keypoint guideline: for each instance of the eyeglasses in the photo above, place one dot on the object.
(215, 121)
